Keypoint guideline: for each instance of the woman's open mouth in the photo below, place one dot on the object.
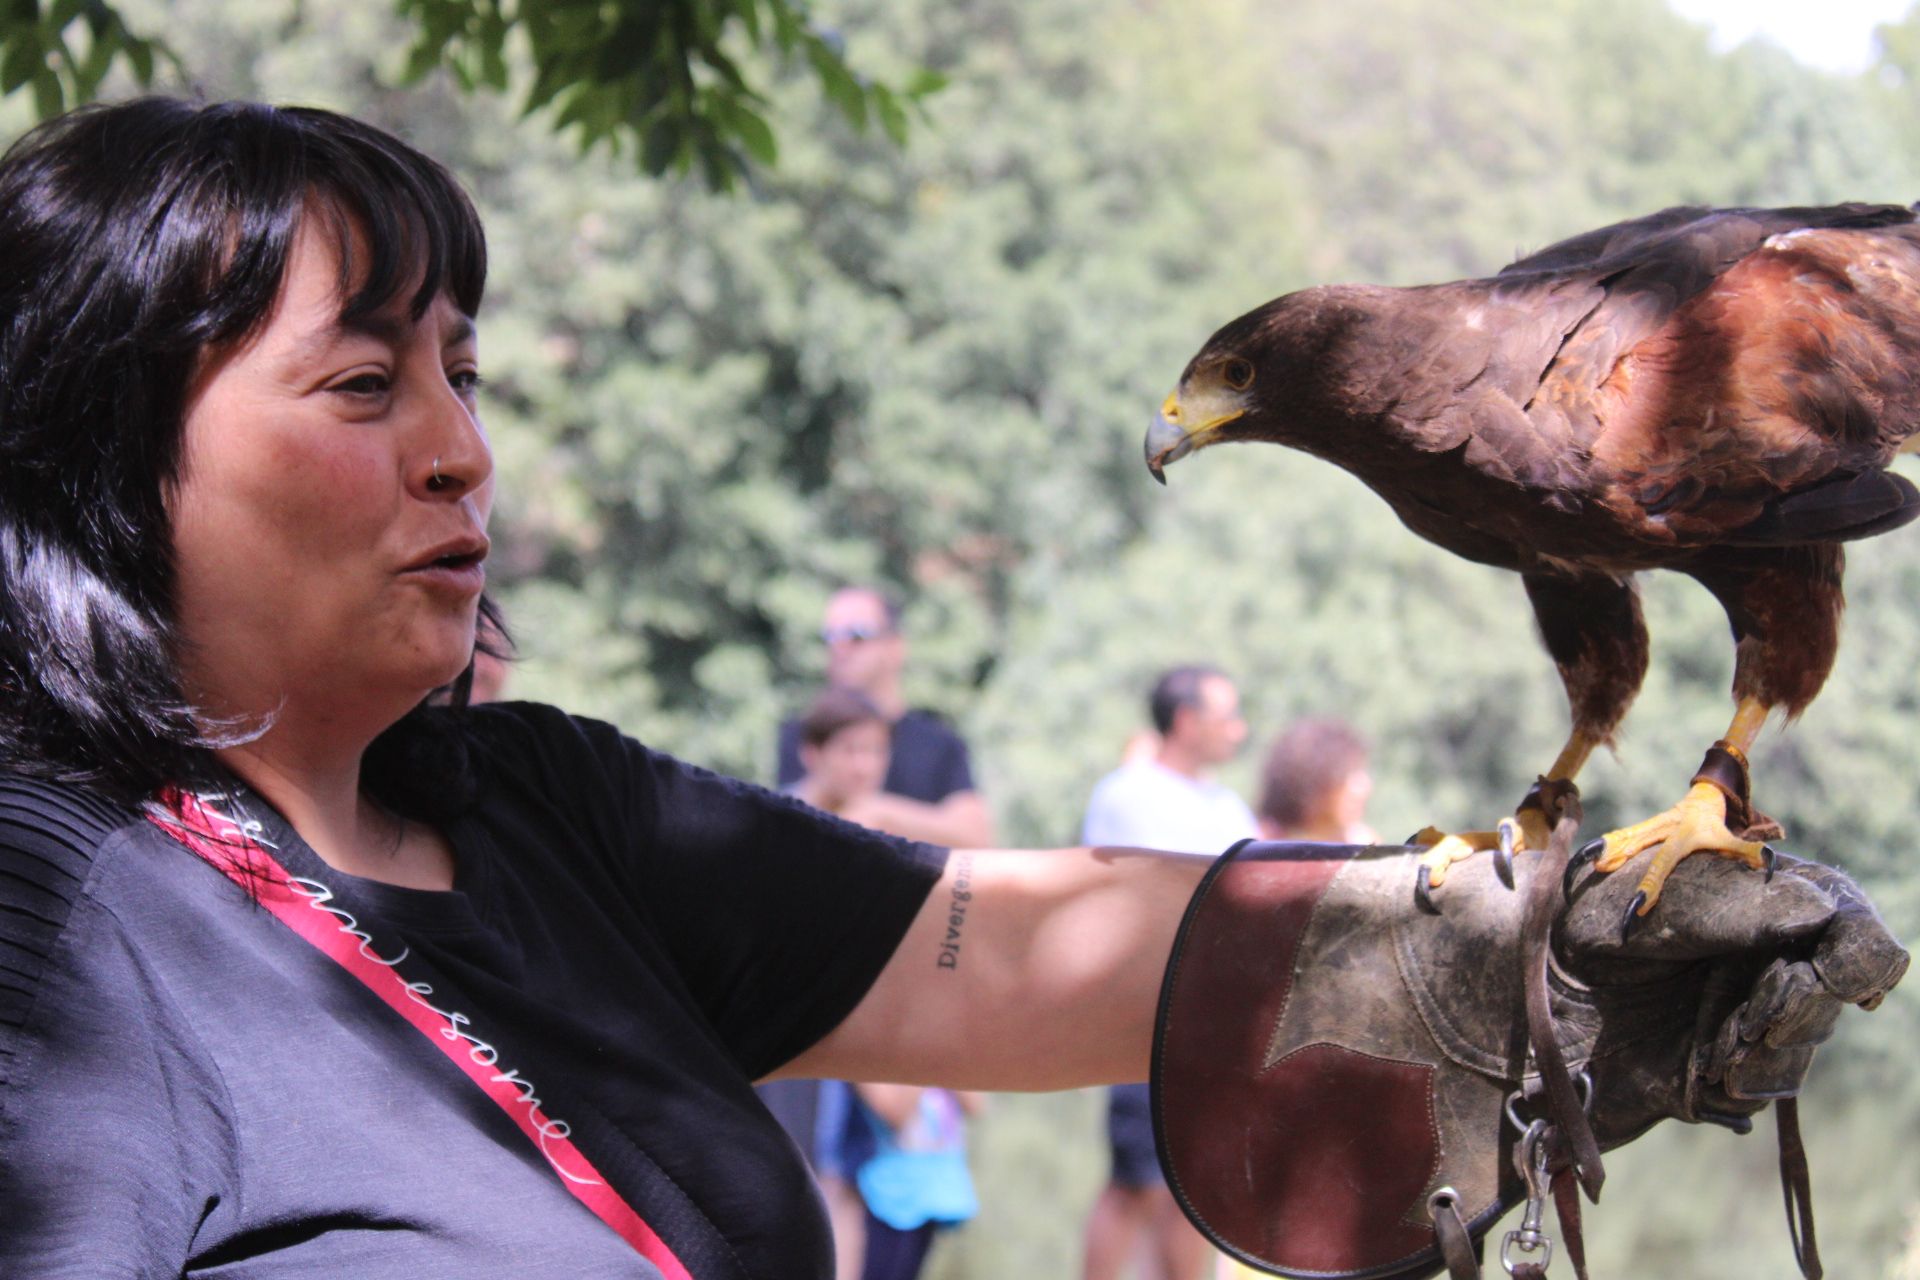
(459, 565)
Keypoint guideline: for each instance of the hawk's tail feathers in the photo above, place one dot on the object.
(1838, 510)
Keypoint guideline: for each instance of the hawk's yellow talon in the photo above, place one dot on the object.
(1698, 824)
(1448, 849)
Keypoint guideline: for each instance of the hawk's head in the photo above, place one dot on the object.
(1274, 374)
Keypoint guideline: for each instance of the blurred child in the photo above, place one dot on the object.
(845, 747)
(916, 1180)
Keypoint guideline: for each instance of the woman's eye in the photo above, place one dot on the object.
(363, 384)
(466, 382)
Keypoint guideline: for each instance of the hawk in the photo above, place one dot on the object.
(1714, 391)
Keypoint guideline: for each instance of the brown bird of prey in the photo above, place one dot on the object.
(1717, 391)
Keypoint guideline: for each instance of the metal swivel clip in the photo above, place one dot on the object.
(1528, 1239)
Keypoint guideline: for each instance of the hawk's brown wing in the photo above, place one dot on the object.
(1739, 359)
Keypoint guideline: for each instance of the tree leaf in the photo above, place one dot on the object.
(726, 68)
(548, 81)
(93, 68)
(491, 33)
(659, 145)
(893, 117)
(718, 163)
(788, 29)
(754, 133)
(49, 99)
(22, 59)
(923, 82)
(749, 13)
(422, 59)
(63, 12)
(842, 89)
(139, 54)
(438, 23)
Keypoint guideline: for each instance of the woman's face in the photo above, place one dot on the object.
(329, 523)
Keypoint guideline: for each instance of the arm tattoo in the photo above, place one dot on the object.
(962, 895)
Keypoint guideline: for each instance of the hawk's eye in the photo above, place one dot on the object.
(1238, 373)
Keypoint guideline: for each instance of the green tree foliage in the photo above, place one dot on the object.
(659, 75)
(60, 53)
(667, 78)
(932, 367)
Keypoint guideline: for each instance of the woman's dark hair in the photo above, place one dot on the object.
(136, 238)
(835, 710)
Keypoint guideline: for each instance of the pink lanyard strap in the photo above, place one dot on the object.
(304, 907)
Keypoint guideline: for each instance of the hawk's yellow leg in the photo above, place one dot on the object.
(1698, 824)
(1526, 829)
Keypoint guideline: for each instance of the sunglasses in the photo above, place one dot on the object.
(856, 634)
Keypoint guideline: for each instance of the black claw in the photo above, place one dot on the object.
(1768, 857)
(1727, 1120)
(1632, 919)
(1423, 891)
(1586, 853)
(1503, 852)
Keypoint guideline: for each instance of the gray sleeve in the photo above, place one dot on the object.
(114, 1142)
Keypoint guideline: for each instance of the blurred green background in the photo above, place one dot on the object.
(931, 367)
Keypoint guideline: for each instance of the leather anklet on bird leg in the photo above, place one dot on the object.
(1715, 816)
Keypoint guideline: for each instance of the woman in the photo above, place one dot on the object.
(243, 540)
(1314, 784)
(302, 974)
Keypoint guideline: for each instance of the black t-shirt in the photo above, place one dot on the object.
(929, 760)
(188, 1088)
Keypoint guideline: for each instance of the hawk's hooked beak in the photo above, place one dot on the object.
(1172, 436)
(1166, 442)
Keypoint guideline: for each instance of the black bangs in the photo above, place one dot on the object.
(416, 224)
(399, 221)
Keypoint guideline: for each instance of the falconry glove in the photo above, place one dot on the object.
(1340, 1080)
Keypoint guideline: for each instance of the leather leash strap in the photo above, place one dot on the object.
(1566, 1203)
(1568, 1113)
(1456, 1244)
(1796, 1185)
(229, 848)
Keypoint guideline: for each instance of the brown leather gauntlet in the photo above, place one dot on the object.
(1327, 1058)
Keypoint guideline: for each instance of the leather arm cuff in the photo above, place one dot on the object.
(1295, 1090)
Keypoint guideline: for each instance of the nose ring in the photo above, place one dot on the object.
(438, 479)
